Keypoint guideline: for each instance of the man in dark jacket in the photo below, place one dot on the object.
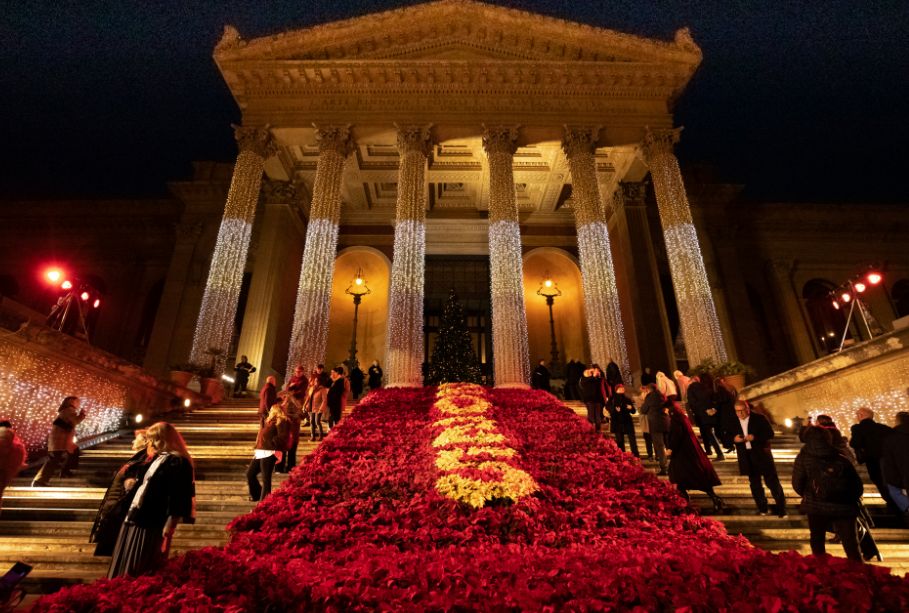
(241, 376)
(830, 490)
(621, 424)
(867, 440)
(896, 462)
(335, 397)
(656, 412)
(590, 387)
(751, 434)
(700, 403)
(268, 397)
(539, 380)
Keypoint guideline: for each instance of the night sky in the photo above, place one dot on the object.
(798, 101)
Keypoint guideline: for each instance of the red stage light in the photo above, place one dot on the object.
(84, 295)
(845, 296)
(97, 303)
(860, 287)
(874, 278)
(53, 275)
(836, 305)
(66, 285)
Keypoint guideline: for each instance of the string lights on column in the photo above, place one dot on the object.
(310, 328)
(404, 350)
(509, 316)
(601, 294)
(697, 312)
(215, 325)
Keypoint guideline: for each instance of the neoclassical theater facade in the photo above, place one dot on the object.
(460, 145)
(454, 128)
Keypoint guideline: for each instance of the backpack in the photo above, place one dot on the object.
(834, 480)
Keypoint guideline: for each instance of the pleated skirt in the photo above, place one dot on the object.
(137, 551)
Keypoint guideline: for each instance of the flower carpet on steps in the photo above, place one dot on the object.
(470, 499)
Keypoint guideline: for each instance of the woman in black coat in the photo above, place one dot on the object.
(118, 497)
(590, 388)
(830, 489)
(689, 467)
(374, 376)
(621, 424)
(164, 497)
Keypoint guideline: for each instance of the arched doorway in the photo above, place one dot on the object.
(372, 316)
(568, 310)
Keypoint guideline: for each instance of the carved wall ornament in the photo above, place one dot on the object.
(580, 139)
(256, 140)
(500, 139)
(334, 138)
(659, 141)
(414, 138)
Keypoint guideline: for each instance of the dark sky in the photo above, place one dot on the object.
(797, 100)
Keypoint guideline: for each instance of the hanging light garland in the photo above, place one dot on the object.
(697, 312)
(311, 315)
(215, 325)
(601, 294)
(509, 315)
(404, 349)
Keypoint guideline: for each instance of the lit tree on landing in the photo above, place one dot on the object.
(453, 358)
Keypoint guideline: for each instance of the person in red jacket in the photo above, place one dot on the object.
(12, 455)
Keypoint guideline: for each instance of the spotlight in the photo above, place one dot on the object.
(859, 287)
(874, 277)
(66, 285)
(85, 296)
(227, 378)
(138, 418)
(97, 303)
(187, 403)
(788, 423)
(836, 304)
(53, 275)
(845, 296)
(75, 440)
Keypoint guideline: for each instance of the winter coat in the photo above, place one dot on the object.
(115, 504)
(689, 467)
(275, 435)
(268, 397)
(591, 389)
(653, 409)
(317, 402)
(868, 440)
(806, 471)
(621, 408)
(699, 401)
(895, 461)
(12, 456)
(63, 430)
(375, 377)
(539, 380)
(170, 492)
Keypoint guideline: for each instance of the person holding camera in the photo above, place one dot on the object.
(61, 442)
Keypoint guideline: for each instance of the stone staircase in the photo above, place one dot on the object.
(48, 527)
(790, 534)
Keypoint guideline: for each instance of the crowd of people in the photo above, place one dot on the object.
(154, 490)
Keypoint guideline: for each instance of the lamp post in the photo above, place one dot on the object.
(550, 290)
(357, 289)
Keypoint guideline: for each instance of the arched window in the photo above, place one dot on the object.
(827, 322)
(900, 295)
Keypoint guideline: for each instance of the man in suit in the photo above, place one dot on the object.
(868, 442)
(751, 434)
(700, 403)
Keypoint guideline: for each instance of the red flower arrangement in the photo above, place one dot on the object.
(361, 525)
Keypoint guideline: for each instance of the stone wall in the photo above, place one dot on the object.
(873, 374)
(39, 367)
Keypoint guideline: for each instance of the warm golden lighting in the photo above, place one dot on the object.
(874, 278)
(187, 403)
(139, 418)
(66, 285)
(53, 275)
(836, 304)
(84, 296)
(860, 287)
(845, 296)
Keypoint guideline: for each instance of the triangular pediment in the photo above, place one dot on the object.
(457, 30)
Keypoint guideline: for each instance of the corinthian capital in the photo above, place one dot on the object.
(414, 138)
(256, 140)
(278, 192)
(500, 139)
(580, 139)
(659, 141)
(334, 138)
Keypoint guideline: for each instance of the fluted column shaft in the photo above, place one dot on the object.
(215, 325)
(310, 328)
(601, 294)
(697, 312)
(509, 316)
(404, 350)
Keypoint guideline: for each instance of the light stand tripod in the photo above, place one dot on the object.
(61, 316)
(854, 299)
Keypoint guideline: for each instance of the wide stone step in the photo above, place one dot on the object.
(81, 529)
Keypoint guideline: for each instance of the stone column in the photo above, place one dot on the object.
(272, 266)
(215, 325)
(310, 328)
(697, 312)
(601, 295)
(509, 318)
(799, 335)
(404, 349)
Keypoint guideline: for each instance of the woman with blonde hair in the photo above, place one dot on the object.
(271, 444)
(164, 497)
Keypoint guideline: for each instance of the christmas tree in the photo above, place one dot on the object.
(453, 358)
